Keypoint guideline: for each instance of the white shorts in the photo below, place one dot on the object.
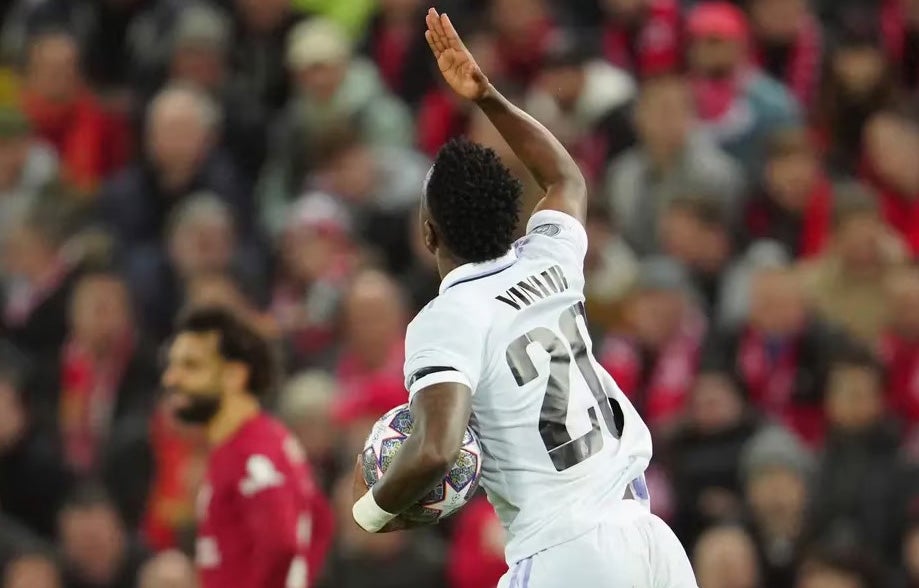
(631, 548)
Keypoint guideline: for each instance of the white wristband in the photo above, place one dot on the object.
(368, 514)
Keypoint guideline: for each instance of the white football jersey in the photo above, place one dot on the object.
(560, 440)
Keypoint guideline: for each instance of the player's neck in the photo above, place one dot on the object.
(235, 412)
(446, 264)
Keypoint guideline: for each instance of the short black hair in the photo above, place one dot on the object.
(238, 342)
(854, 354)
(474, 201)
(846, 558)
(704, 209)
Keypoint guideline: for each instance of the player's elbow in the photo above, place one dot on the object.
(439, 457)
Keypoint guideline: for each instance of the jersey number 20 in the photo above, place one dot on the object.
(564, 451)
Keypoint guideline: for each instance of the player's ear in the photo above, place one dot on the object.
(236, 376)
(430, 236)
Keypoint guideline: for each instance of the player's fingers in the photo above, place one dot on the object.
(430, 40)
(436, 39)
(439, 27)
(453, 38)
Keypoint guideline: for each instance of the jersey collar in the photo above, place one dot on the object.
(475, 271)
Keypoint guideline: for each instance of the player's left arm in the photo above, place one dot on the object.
(444, 353)
(440, 413)
(272, 517)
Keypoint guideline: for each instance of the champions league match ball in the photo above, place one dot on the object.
(450, 494)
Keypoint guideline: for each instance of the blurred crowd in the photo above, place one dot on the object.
(754, 171)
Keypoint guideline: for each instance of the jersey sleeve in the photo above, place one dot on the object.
(444, 344)
(272, 515)
(554, 235)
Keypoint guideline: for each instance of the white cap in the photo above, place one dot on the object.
(317, 41)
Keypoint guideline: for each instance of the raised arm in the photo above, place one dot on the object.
(552, 166)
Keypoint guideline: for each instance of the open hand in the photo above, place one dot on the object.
(456, 63)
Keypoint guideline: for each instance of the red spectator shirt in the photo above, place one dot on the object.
(262, 521)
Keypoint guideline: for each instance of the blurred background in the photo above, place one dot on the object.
(751, 285)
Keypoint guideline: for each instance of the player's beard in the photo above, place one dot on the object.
(198, 409)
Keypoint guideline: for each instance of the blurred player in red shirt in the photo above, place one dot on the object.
(262, 522)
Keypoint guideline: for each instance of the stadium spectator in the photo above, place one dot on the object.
(846, 284)
(305, 405)
(38, 276)
(654, 355)
(776, 472)
(584, 101)
(227, 291)
(32, 570)
(170, 569)
(780, 354)
(179, 457)
(717, 425)
(900, 347)
(96, 397)
(794, 201)
(524, 29)
(332, 87)
(789, 44)
(259, 44)
(200, 238)
(643, 37)
(860, 445)
(180, 159)
(65, 113)
(725, 557)
(112, 34)
(839, 567)
(669, 159)
(610, 268)
(334, 91)
(856, 83)
(696, 231)
(374, 326)
(317, 257)
(735, 101)
(32, 478)
(99, 552)
(380, 186)
(394, 41)
(28, 166)
(891, 140)
(199, 46)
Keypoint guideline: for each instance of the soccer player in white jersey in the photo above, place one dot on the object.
(505, 344)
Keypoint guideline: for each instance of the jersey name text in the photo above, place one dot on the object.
(534, 287)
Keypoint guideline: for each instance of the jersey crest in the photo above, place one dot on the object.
(548, 229)
(261, 474)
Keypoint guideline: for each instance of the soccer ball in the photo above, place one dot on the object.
(450, 494)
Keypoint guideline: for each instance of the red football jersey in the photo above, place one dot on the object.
(263, 523)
